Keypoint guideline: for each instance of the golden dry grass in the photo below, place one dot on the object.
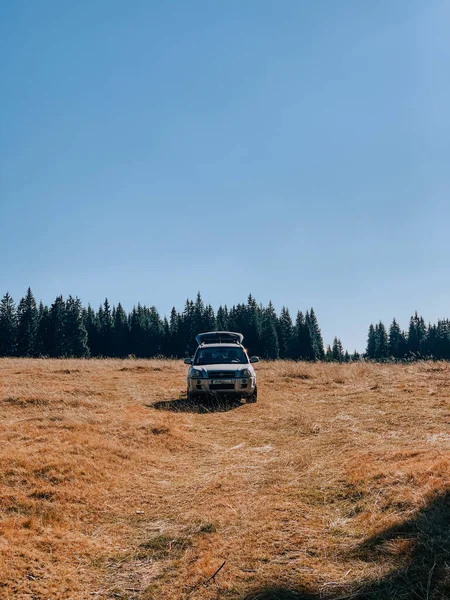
(334, 484)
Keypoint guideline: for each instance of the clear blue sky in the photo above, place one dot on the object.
(296, 150)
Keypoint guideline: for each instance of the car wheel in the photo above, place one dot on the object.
(253, 397)
(191, 397)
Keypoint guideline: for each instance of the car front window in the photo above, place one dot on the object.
(223, 356)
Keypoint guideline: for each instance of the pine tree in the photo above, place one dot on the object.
(91, 323)
(27, 324)
(253, 327)
(316, 335)
(371, 343)
(8, 326)
(106, 329)
(177, 348)
(76, 336)
(222, 319)
(397, 341)
(302, 342)
(154, 332)
(416, 335)
(355, 356)
(270, 343)
(285, 333)
(337, 351)
(382, 342)
(44, 341)
(57, 328)
(121, 332)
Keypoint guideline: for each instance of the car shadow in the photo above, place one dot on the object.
(423, 570)
(200, 406)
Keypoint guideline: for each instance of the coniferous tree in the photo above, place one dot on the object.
(176, 343)
(302, 342)
(416, 335)
(209, 318)
(285, 333)
(270, 345)
(106, 328)
(57, 328)
(222, 319)
(253, 330)
(121, 332)
(27, 324)
(337, 351)
(355, 356)
(8, 326)
(382, 341)
(371, 343)
(91, 323)
(154, 332)
(316, 335)
(397, 341)
(76, 336)
(44, 341)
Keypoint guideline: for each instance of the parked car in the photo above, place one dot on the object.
(221, 367)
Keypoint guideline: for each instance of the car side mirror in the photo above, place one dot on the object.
(254, 359)
(188, 361)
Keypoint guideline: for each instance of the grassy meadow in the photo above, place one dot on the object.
(334, 485)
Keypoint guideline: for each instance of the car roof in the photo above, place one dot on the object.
(212, 346)
(219, 337)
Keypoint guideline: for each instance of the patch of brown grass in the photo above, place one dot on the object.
(112, 486)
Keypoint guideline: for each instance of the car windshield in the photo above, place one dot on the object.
(217, 355)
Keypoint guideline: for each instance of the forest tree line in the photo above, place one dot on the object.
(68, 329)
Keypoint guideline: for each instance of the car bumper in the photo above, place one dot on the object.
(236, 387)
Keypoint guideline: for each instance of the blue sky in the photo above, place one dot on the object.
(295, 150)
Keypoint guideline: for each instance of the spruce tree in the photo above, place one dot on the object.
(121, 332)
(270, 345)
(44, 341)
(397, 341)
(416, 335)
(222, 319)
(106, 329)
(27, 324)
(57, 328)
(76, 335)
(371, 343)
(337, 351)
(91, 323)
(382, 342)
(316, 335)
(253, 327)
(8, 326)
(285, 334)
(302, 341)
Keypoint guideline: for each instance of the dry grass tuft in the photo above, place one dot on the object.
(334, 485)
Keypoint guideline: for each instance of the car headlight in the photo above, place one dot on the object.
(196, 374)
(245, 373)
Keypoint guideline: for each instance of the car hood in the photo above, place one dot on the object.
(224, 367)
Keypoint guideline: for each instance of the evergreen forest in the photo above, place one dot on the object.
(68, 329)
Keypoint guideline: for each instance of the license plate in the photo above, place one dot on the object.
(219, 381)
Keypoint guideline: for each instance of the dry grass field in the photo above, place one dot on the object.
(334, 485)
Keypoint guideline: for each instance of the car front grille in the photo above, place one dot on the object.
(221, 386)
(221, 374)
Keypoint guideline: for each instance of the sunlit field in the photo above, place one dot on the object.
(334, 485)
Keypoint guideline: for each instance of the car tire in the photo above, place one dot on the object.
(252, 399)
(191, 397)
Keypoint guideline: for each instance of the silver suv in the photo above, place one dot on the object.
(222, 367)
